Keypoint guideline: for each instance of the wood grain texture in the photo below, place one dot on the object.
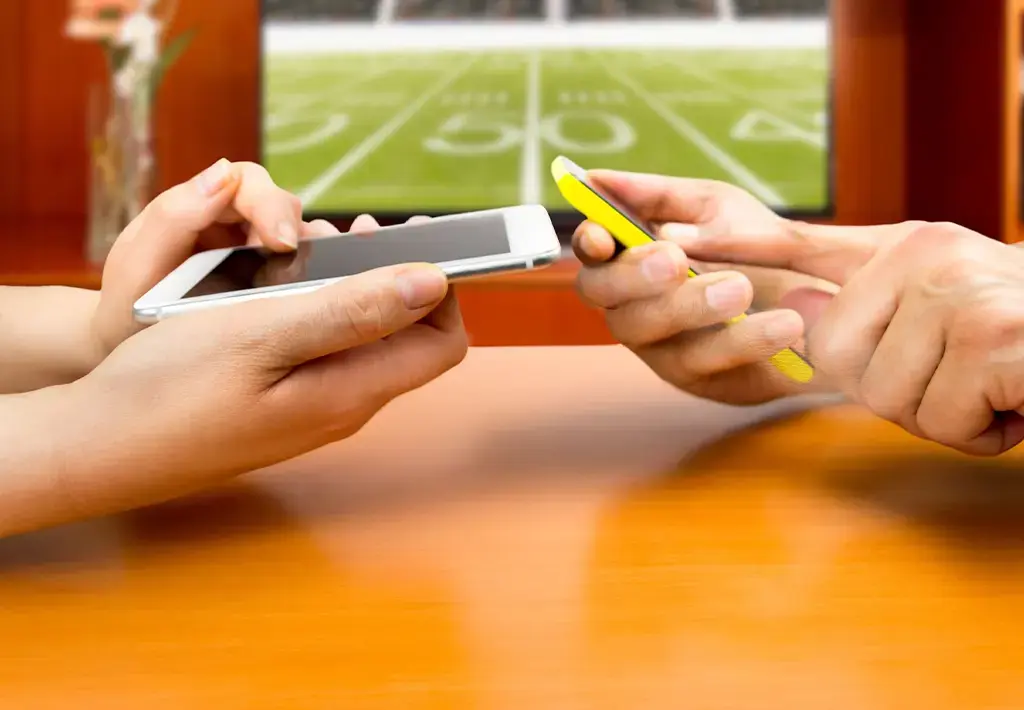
(545, 528)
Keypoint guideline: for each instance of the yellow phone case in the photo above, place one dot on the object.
(571, 182)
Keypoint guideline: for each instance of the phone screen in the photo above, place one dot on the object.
(344, 255)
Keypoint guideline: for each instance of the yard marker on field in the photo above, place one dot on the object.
(611, 97)
(529, 168)
(712, 79)
(687, 130)
(765, 126)
(699, 98)
(322, 183)
(335, 124)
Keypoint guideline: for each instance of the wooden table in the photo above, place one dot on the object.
(545, 528)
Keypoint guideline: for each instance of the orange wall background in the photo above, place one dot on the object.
(207, 107)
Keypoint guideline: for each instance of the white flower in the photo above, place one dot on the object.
(141, 33)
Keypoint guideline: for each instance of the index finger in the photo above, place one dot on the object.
(274, 214)
(661, 198)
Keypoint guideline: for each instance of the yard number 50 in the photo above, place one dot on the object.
(478, 134)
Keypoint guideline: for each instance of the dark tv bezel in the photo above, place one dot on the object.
(565, 221)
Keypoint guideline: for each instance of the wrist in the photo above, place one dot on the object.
(36, 455)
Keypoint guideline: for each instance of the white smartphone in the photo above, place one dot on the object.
(462, 245)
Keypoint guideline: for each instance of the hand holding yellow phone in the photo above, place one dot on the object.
(629, 231)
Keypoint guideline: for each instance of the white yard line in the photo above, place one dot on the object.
(529, 168)
(788, 129)
(360, 152)
(712, 79)
(687, 130)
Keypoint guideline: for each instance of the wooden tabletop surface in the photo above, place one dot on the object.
(545, 528)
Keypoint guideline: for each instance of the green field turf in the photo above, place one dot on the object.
(465, 130)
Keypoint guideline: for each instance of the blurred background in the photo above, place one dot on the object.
(848, 111)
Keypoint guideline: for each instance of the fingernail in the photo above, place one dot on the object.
(214, 178)
(728, 296)
(288, 235)
(660, 267)
(421, 287)
(679, 232)
(588, 243)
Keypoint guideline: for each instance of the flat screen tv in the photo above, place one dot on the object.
(402, 107)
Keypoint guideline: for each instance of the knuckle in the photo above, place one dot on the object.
(454, 348)
(166, 205)
(990, 327)
(910, 226)
(949, 248)
(360, 312)
(942, 261)
(594, 287)
(881, 401)
(830, 350)
(940, 428)
(251, 169)
(928, 237)
(642, 322)
(621, 328)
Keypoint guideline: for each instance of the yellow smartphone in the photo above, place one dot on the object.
(629, 231)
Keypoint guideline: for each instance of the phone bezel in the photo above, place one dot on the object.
(532, 242)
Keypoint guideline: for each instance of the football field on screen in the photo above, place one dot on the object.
(451, 131)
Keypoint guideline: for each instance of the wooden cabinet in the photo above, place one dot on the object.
(963, 146)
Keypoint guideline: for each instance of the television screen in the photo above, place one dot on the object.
(400, 107)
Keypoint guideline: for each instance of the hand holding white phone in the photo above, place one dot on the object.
(463, 246)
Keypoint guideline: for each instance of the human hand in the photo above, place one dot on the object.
(228, 204)
(198, 398)
(673, 322)
(927, 329)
